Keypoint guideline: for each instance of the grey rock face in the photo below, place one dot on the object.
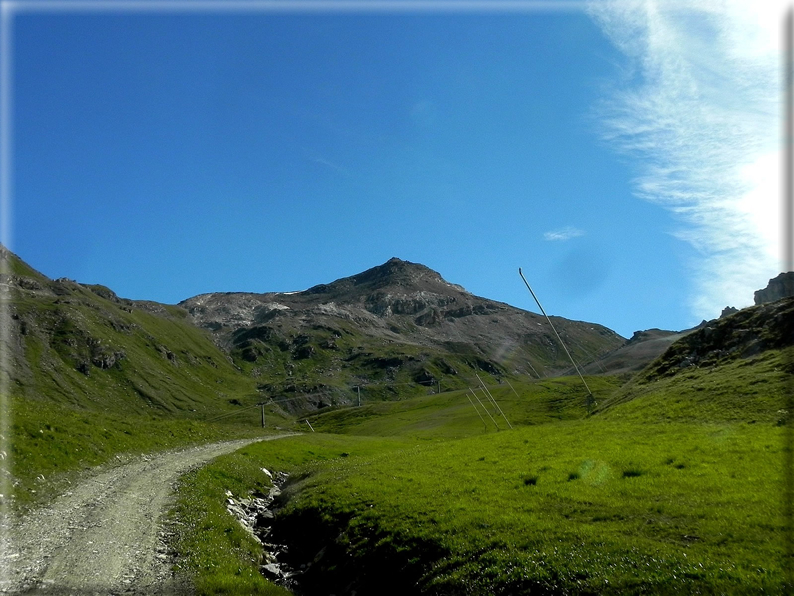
(781, 286)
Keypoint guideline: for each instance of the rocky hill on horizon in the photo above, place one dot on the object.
(398, 322)
(395, 330)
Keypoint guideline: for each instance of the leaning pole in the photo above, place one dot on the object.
(562, 343)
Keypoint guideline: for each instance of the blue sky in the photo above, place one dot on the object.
(622, 153)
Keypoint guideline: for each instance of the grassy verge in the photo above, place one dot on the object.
(218, 555)
(52, 444)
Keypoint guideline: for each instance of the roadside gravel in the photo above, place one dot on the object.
(105, 535)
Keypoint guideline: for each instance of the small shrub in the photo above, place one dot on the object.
(573, 476)
(632, 473)
(530, 480)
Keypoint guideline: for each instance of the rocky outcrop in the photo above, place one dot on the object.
(743, 334)
(728, 311)
(781, 286)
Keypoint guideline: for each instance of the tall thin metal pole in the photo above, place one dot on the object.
(487, 400)
(478, 412)
(533, 369)
(511, 387)
(484, 408)
(263, 415)
(493, 400)
(562, 343)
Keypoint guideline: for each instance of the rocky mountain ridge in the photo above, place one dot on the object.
(395, 330)
(743, 334)
(80, 344)
(404, 317)
(390, 331)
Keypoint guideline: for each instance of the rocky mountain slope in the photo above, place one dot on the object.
(394, 330)
(82, 345)
(636, 353)
(745, 332)
(399, 323)
(741, 335)
(778, 287)
(735, 368)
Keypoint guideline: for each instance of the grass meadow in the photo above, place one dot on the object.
(422, 497)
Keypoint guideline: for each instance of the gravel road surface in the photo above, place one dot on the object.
(105, 535)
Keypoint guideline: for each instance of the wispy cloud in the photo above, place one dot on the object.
(326, 163)
(700, 110)
(560, 234)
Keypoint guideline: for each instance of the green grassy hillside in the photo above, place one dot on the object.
(81, 345)
(668, 483)
(459, 413)
(626, 500)
(569, 507)
(748, 390)
(89, 375)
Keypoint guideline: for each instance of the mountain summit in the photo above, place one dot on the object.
(397, 322)
(394, 273)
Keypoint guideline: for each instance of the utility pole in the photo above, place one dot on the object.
(514, 391)
(263, 415)
(358, 390)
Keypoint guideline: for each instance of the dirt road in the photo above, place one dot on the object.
(104, 536)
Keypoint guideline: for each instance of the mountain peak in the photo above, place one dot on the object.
(393, 273)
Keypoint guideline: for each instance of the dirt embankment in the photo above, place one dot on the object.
(104, 536)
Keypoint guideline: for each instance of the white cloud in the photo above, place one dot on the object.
(700, 109)
(562, 234)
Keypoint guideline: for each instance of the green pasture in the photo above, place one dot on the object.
(574, 506)
(458, 414)
(420, 496)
